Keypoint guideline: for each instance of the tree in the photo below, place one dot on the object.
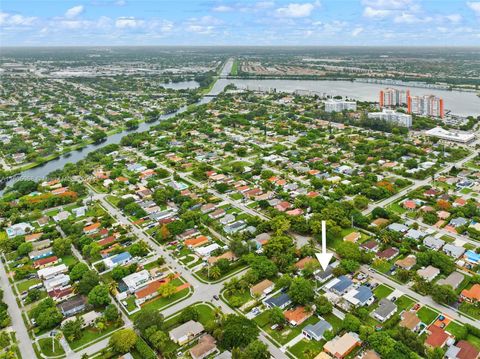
(214, 272)
(351, 323)
(123, 340)
(89, 280)
(279, 225)
(98, 296)
(323, 305)
(256, 350)
(78, 271)
(301, 291)
(275, 316)
(167, 290)
(444, 294)
(238, 331)
(159, 340)
(111, 313)
(46, 314)
(189, 313)
(72, 330)
(24, 248)
(147, 318)
(62, 247)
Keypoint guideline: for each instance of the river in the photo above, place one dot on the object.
(462, 103)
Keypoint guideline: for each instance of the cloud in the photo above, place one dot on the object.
(8, 19)
(296, 10)
(475, 6)
(128, 23)
(408, 18)
(370, 12)
(387, 4)
(357, 31)
(223, 8)
(454, 18)
(204, 25)
(74, 11)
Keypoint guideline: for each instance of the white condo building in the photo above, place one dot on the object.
(399, 118)
(332, 105)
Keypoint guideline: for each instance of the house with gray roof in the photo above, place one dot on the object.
(385, 310)
(282, 301)
(458, 222)
(398, 227)
(315, 331)
(415, 234)
(453, 250)
(339, 285)
(433, 243)
(453, 280)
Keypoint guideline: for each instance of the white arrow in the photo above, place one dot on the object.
(324, 257)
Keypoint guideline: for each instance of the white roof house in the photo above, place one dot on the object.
(207, 250)
(136, 280)
(50, 272)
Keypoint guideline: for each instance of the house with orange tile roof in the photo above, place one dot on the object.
(437, 337)
(149, 291)
(295, 212)
(409, 204)
(229, 256)
(106, 241)
(45, 262)
(471, 295)
(304, 261)
(93, 228)
(352, 237)
(196, 242)
(262, 289)
(283, 206)
(33, 237)
(59, 191)
(340, 347)
(297, 316)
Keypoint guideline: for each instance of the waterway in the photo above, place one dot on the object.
(461, 103)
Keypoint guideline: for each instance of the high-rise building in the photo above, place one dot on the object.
(332, 105)
(390, 97)
(428, 105)
(398, 118)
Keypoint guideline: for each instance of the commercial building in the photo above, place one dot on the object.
(462, 137)
(428, 105)
(332, 105)
(392, 97)
(391, 116)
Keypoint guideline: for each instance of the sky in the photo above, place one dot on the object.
(240, 22)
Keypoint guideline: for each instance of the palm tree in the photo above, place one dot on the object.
(214, 272)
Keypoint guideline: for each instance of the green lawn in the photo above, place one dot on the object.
(447, 239)
(69, 260)
(427, 315)
(395, 207)
(159, 303)
(404, 303)
(382, 291)
(381, 266)
(50, 350)
(27, 284)
(474, 340)
(453, 328)
(239, 298)
(91, 334)
(304, 349)
(288, 333)
(205, 315)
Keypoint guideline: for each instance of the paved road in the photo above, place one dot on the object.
(448, 311)
(204, 292)
(421, 183)
(25, 344)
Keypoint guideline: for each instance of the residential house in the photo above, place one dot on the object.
(281, 301)
(339, 285)
(388, 254)
(352, 237)
(410, 320)
(429, 273)
(136, 280)
(433, 243)
(262, 289)
(42, 253)
(398, 227)
(407, 263)
(59, 281)
(92, 228)
(196, 242)
(458, 222)
(359, 297)
(234, 227)
(206, 346)
(471, 295)
(50, 272)
(370, 246)
(73, 305)
(437, 337)
(19, 229)
(33, 237)
(302, 263)
(117, 260)
(462, 350)
(45, 262)
(206, 251)
(453, 250)
(316, 331)
(340, 347)
(228, 255)
(297, 315)
(453, 280)
(385, 310)
(186, 332)
(472, 257)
